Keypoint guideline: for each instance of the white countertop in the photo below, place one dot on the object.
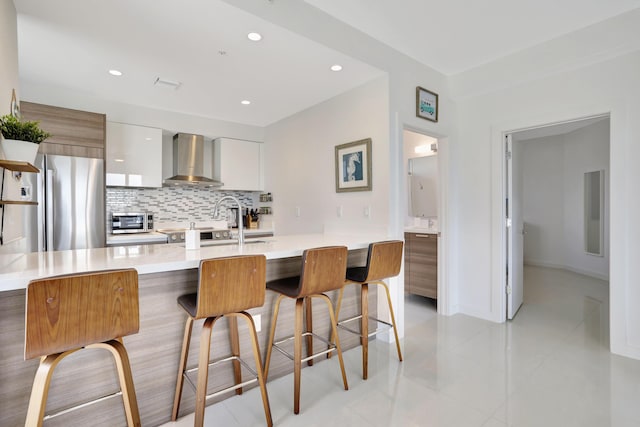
(16, 270)
(422, 230)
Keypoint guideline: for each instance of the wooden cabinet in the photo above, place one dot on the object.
(73, 132)
(238, 164)
(133, 156)
(421, 264)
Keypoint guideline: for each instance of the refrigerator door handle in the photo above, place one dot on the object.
(49, 211)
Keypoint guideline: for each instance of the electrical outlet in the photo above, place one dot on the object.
(339, 211)
(257, 320)
(298, 211)
(367, 211)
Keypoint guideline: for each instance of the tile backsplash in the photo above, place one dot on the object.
(174, 204)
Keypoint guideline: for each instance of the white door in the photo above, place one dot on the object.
(515, 229)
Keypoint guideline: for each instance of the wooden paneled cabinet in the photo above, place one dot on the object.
(73, 132)
(421, 264)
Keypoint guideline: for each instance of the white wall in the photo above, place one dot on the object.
(610, 86)
(553, 173)
(9, 54)
(300, 160)
(8, 82)
(586, 150)
(543, 201)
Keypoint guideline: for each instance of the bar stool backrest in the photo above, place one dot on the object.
(384, 260)
(72, 311)
(231, 285)
(323, 270)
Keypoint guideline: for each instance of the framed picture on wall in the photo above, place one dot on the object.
(426, 104)
(353, 166)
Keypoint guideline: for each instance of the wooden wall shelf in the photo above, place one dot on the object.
(16, 202)
(17, 166)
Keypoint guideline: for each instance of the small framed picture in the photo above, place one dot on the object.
(426, 104)
(353, 166)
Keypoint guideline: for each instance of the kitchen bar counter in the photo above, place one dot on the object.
(16, 270)
(166, 272)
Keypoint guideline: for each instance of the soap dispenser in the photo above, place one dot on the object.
(192, 237)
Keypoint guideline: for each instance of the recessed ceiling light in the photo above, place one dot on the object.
(255, 37)
(115, 72)
(118, 160)
(245, 102)
(148, 138)
(336, 67)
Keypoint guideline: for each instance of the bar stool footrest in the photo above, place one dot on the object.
(226, 389)
(81, 405)
(330, 347)
(341, 324)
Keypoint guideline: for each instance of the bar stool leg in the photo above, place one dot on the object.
(364, 329)
(117, 349)
(272, 333)
(40, 389)
(203, 370)
(309, 329)
(337, 311)
(393, 318)
(235, 350)
(259, 368)
(186, 341)
(297, 355)
(334, 329)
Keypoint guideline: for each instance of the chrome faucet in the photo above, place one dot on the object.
(240, 228)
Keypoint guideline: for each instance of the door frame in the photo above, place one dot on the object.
(500, 250)
(444, 300)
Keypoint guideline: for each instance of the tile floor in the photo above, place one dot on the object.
(549, 367)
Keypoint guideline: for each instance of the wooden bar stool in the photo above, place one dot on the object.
(323, 270)
(65, 314)
(226, 288)
(383, 261)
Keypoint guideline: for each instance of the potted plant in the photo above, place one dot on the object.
(20, 138)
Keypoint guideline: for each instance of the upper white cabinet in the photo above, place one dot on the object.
(238, 164)
(133, 156)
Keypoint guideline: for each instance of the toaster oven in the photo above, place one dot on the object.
(131, 222)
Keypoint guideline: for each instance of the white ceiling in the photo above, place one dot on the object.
(453, 36)
(556, 129)
(70, 45)
(73, 43)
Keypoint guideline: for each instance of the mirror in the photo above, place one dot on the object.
(594, 212)
(423, 183)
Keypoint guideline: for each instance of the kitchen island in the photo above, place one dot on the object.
(166, 272)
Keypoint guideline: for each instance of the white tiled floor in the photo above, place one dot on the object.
(549, 367)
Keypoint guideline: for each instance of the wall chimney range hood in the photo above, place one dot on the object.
(188, 162)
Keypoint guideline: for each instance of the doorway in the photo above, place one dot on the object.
(422, 217)
(549, 218)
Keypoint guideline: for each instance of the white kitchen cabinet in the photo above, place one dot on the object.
(238, 164)
(133, 156)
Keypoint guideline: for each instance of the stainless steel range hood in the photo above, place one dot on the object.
(188, 162)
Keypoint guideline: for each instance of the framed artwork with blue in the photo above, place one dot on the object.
(353, 166)
(426, 104)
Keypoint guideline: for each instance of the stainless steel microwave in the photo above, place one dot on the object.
(131, 222)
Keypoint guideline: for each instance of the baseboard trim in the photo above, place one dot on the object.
(535, 263)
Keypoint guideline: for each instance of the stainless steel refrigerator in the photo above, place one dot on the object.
(70, 193)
